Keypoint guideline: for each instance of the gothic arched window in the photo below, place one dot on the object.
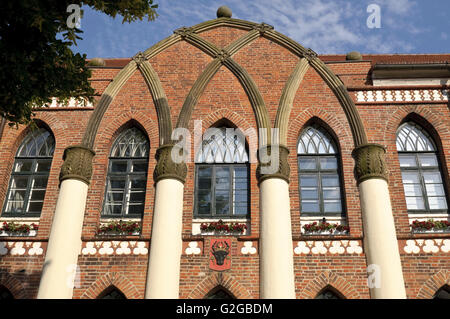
(421, 174)
(29, 176)
(221, 183)
(319, 174)
(127, 175)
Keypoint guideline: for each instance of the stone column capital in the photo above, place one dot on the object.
(265, 156)
(77, 164)
(370, 162)
(166, 167)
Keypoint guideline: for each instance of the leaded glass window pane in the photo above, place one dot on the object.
(320, 187)
(30, 173)
(419, 165)
(222, 145)
(127, 175)
(222, 174)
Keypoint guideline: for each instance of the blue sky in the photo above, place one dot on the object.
(326, 26)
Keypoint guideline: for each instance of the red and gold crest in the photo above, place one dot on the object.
(220, 254)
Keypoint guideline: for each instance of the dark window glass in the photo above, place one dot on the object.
(443, 293)
(112, 293)
(222, 177)
(421, 174)
(30, 175)
(319, 176)
(127, 176)
(328, 294)
(5, 293)
(219, 293)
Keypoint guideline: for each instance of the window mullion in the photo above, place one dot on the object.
(28, 189)
(422, 185)
(213, 191)
(319, 185)
(126, 196)
(231, 185)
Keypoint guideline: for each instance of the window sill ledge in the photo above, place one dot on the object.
(431, 231)
(196, 223)
(32, 233)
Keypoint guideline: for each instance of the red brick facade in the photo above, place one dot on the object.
(269, 65)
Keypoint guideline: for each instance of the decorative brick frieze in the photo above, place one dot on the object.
(427, 246)
(108, 248)
(193, 248)
(333, 247)
(22, 248)
(248, 247)
(71, 103)
(402, 96)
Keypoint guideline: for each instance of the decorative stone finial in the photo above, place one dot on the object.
(224, 12)
(96, 62)
(353, 56)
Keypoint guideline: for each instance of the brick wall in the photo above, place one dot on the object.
(269, 65)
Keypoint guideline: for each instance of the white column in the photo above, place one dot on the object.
(64, 243)
(380, 241)
(276, 251)
(163, 275)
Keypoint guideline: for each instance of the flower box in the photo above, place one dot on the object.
(430, 226)
(18, 230)
(325, 228)
(222, 228)
(119, 228)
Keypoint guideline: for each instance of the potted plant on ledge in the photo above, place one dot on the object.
(221, 227)
(15, 229)
(119, 228)
(325, 228)
(430, 226)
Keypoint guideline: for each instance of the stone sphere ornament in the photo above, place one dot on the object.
(224, 12)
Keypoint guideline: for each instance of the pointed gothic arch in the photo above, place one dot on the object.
(222, 56)
(234, 287)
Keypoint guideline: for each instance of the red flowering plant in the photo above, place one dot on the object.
(324, 226)
(23, 229)
(430, 224)
(223, 227)
(119, 228)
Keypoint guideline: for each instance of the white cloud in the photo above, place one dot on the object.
(326, 26)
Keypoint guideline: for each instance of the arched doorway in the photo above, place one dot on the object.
(5, 294)
(219, 292)
(111, 293)
(329, 293)
(443, 293)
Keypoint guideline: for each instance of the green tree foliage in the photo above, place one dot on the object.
(36, 62)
